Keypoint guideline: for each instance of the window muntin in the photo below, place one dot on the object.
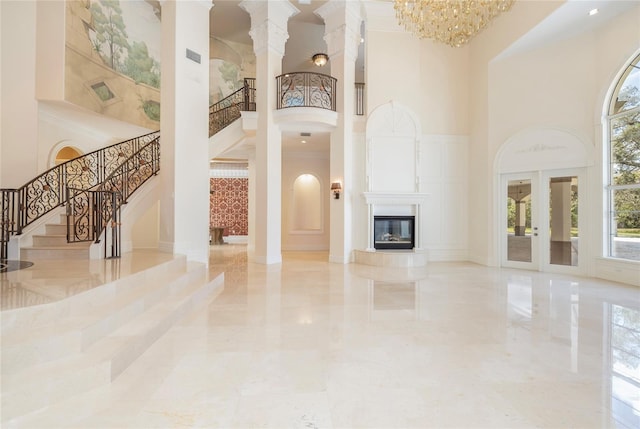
(623, 181)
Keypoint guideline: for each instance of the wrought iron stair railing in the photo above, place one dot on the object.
(23, 206)
(227, 110)
(90, 212)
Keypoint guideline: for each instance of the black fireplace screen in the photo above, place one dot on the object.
(393, 232)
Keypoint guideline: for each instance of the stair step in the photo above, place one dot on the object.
(55, 252)
(23, 348)
(48, 383)
(55, 229)
(25, 321)
(51, 240)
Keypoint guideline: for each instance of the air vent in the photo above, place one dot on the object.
(305, 134)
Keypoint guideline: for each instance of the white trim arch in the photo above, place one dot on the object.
(543, 148)
(51, 158)
(393, 136)
(535, 149)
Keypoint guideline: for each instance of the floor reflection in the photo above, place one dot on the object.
(624, 364)
(552, 308)
(308, 343)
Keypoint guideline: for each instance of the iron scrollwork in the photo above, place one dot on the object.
(49, 190)
(306, 90)
(227, 110)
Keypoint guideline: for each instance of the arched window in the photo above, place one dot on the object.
(65, 154)
(623, 166)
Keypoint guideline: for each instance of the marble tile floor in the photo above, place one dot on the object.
(309, 344)
(52, 280)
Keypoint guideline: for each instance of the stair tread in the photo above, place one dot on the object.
(106, 349)
(86, 244)
(93, 315)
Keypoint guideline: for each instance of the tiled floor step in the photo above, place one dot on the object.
(104, 360)
(93, 319)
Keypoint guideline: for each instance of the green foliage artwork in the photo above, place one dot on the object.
(151, 109)
(140, 67)
(230, 72)
(110, 41)
(226, 79)
(111, 36)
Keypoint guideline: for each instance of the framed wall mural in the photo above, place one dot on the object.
(112, 51)
(224, 79)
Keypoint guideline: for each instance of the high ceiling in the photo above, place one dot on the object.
(306, 31)
(306, 37)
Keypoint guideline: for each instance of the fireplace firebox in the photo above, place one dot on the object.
(393, 232)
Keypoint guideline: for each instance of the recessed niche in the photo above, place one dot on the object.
(307, 203)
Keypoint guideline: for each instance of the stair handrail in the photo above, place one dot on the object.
(227, 110)
(90, 212)
(22, 206)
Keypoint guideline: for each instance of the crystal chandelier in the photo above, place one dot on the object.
(453, 22)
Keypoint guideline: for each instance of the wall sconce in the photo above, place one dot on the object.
(336, 188)
(320, 59)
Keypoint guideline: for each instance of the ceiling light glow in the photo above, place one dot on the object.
(593, 12)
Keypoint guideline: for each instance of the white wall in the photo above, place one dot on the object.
(50, 50)
(486, 46)
(444, 167)
(18, 123)
(62, 125)
(145, 230)
(561, 85)
(293, 165)
(429, 78)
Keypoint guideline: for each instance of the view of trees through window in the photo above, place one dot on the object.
(624, 171)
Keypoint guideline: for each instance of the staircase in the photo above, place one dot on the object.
(92, 187)
(54, 352)
(53, 244)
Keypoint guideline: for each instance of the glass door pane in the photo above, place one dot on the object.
(563, 220)
(519, 246)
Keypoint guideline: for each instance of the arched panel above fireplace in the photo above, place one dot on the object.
(393, 149)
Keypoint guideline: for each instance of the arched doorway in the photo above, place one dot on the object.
(542, 203)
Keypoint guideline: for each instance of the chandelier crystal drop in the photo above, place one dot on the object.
(453, 22)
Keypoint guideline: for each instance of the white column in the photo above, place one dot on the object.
(19, 120)
(269, 33)
(561, 209)
(184, 159)
(342, 34)
(251, 243)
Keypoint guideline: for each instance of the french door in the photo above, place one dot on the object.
(541, 218)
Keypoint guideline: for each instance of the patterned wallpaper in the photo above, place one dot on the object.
(229, 204)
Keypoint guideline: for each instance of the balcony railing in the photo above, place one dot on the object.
(306, 90)
(227, 110)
